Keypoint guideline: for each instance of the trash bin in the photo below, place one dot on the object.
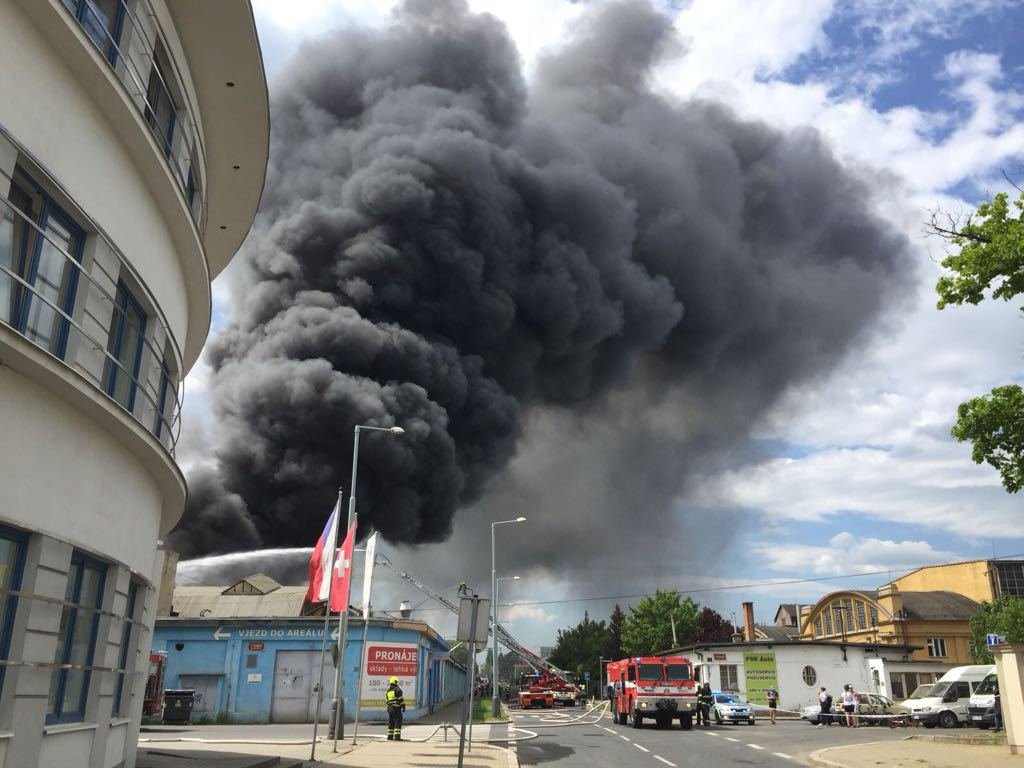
(178, 706)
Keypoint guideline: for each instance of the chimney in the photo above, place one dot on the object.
(748, 622)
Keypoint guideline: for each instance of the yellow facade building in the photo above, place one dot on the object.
(929, 607)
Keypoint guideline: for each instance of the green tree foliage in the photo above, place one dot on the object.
(1003, 616)
(991, 255)
(995, 426)
(613, 645)
(712, 627)
(459, 653)
(648, 628)
(990, 258)
(578, 648)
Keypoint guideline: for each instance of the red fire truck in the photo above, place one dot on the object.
(535, 691)
(658, 688)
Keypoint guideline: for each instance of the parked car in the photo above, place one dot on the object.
(731, 708)
(811, 713)
(982, 708)
(947, 701)
(874, 708)
(877, 709)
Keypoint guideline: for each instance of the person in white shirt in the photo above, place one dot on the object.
(825, 699)
(850, 707)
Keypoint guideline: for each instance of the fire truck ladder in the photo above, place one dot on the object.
(537, 662)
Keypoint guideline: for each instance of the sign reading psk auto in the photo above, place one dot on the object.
(991, 640)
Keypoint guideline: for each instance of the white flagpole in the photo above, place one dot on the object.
(339, 672)
(368, 563)
(327, 625)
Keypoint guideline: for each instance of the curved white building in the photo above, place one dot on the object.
(133, 149)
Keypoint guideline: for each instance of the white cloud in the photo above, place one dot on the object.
(846, 554)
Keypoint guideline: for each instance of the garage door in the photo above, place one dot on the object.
(296, 674)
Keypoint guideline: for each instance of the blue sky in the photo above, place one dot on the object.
(856, 472)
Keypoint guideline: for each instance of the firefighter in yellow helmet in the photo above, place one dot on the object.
(396, 706)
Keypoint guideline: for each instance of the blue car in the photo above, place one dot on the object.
(731, 708)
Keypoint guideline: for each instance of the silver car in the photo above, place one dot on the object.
(731, 708)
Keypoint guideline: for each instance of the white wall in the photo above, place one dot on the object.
(65, 475)
(831, 670)
(49, 109)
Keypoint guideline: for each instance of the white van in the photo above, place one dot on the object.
(982, 709)
(946, 703)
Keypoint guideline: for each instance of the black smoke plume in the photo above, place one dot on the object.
(444, 249)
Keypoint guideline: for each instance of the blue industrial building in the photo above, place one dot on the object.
(267, 669)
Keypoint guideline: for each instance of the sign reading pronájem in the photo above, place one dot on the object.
(381, 663)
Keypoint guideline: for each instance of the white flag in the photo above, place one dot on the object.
(371, 553)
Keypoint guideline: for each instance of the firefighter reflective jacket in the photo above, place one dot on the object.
(394, 698)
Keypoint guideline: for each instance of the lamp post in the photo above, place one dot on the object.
(495, 704)
(339, 676)
(494, 651)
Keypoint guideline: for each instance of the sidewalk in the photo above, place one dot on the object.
(370, 754)
(917, 753)
(423, 744)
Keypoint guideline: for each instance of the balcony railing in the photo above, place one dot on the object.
(128, 44)
(71, 320)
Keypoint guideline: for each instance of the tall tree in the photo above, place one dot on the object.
(990, 257)
(1003, 616)
(648, 628)
(712, 627)
(578, 648)
(613, 645)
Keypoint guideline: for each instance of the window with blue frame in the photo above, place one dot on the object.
(161, 111)
(40, 253)
(120, 701)
(125, 344)
(167, 397)
(12, 566)
(76, 640)
(103, 22)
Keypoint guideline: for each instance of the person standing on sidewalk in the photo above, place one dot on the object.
(396, 706)
(998, 708)
(773, 703)
(825, 700)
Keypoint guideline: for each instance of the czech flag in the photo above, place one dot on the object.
(329, 575)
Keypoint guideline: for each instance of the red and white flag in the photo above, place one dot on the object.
(329, 572)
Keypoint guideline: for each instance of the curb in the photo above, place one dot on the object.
(818, 756)
(954, 738)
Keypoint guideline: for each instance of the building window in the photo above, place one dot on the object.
(127, 333)
(40, 249)
(76, 640)
(828, 620)
(936, 647)
(809, 675)
(730, 679)
(161, 112)
(12, 564)
(102, 21)
(1011, 578)
(873, 615)
(167, 397)
(817, 626)
(120, 701)
(862, 621)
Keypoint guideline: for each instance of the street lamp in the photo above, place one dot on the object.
(494, 658)
(339, 676)
(495, 704)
